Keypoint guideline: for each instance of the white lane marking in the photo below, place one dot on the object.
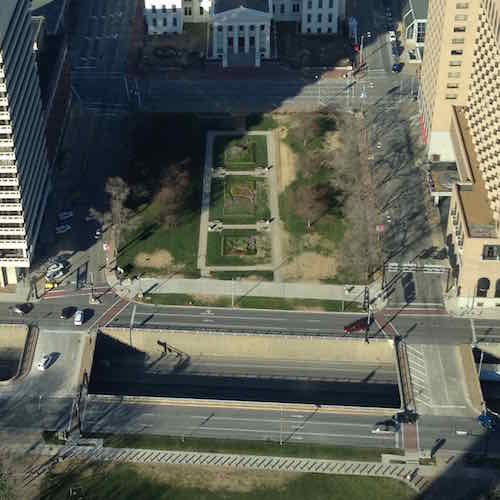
(443, 377)
(284, 419)
(219, 316)
(272, 431)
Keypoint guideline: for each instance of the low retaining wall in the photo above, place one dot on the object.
(256, 346)
(13, 342)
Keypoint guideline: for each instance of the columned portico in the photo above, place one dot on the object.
(242, 32)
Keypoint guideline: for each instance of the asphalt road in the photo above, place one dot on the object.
(217, 421)
(417, 327)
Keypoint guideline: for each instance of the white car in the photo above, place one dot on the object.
(44, 363)
(392, 36)
(64, 228)
(54, 268)
(68, 214)
(55, 275)
(78, 320)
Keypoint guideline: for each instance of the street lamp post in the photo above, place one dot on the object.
(361, 50)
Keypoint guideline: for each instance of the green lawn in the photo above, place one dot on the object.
(255, 302)
(240, 152)
(257, 447)
(239, 200)
(232, 248)
(261, 122)
(131, 482)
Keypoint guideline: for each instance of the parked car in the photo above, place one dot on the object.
(78, 320)
(49, 285)
(97, 234)
(22, 309)
(63, 228)
(359, 326)
(392, 36)
(62, 216)
(44, 363)
(397, 67)
(54, 275)
(56, 266)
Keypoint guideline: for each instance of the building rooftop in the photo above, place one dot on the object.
(6, 11)
(474, 197)
(225, 5)
(52, 10)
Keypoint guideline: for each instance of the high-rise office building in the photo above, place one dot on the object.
(460, 114)
(24, 179)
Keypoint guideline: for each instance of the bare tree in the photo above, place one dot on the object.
(118, 190)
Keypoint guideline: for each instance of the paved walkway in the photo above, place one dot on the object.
(253, 462)
(240, 288)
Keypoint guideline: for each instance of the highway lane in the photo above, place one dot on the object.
(218, 422)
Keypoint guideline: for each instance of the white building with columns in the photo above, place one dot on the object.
(241, 32)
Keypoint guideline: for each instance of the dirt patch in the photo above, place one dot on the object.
(159, 259)
(288, 165)
(333, 141)
(310, 266)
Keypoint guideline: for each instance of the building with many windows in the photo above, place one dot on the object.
(24, 179)
(243, 27)
(414, 21)
(459, 103)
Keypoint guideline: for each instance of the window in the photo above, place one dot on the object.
(296, 7)
(462, 5)
(154, 21)
(455, 63)
(458, 41)
(457, 52)
(262, 27)
(230, 27)
(174, 21)
(219, 28)
(459, 29)
(309, 30)
(452, 86)
(164, 21)
(252, 27)
(329, 30)
(202, 11)
(421, 32)
(282, 8)
(174, 8)
(330, 4)
(330, 18)
(309, 4)
(153, 9)
(308, 18)
(274, 9)
(461, 17)
(455, 74)
(319, 30)
(320, 4)
(320, 17)
(187, 11)
(451, 96)
(164, 8)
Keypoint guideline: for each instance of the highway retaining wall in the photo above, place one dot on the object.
(12, 346)
(255, 346)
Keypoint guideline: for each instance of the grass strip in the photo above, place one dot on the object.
(272, 448)
(254, 302)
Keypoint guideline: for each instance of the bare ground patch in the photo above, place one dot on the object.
(310, 266)
(159, 259)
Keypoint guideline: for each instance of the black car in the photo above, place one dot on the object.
(22, 309)
(67, 312)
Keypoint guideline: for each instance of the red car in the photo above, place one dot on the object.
(359, 326)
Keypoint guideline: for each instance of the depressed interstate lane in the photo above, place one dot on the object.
(251, 424)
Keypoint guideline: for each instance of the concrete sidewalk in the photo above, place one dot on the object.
(239, 288)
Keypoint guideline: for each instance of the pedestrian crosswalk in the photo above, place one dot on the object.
(419, 377)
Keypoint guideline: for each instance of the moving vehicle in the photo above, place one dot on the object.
(392, 36)
(359, 326)
(22, 309)
(386, 426)
(44, 363)
(67, 312)
(78, 320)
(53, 268)
(397, 67)
(49, 285)
(54, 275)
(63, 228)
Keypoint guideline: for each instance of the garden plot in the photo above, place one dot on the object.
(245, 152)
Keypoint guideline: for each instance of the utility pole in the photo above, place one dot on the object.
(361, 50)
